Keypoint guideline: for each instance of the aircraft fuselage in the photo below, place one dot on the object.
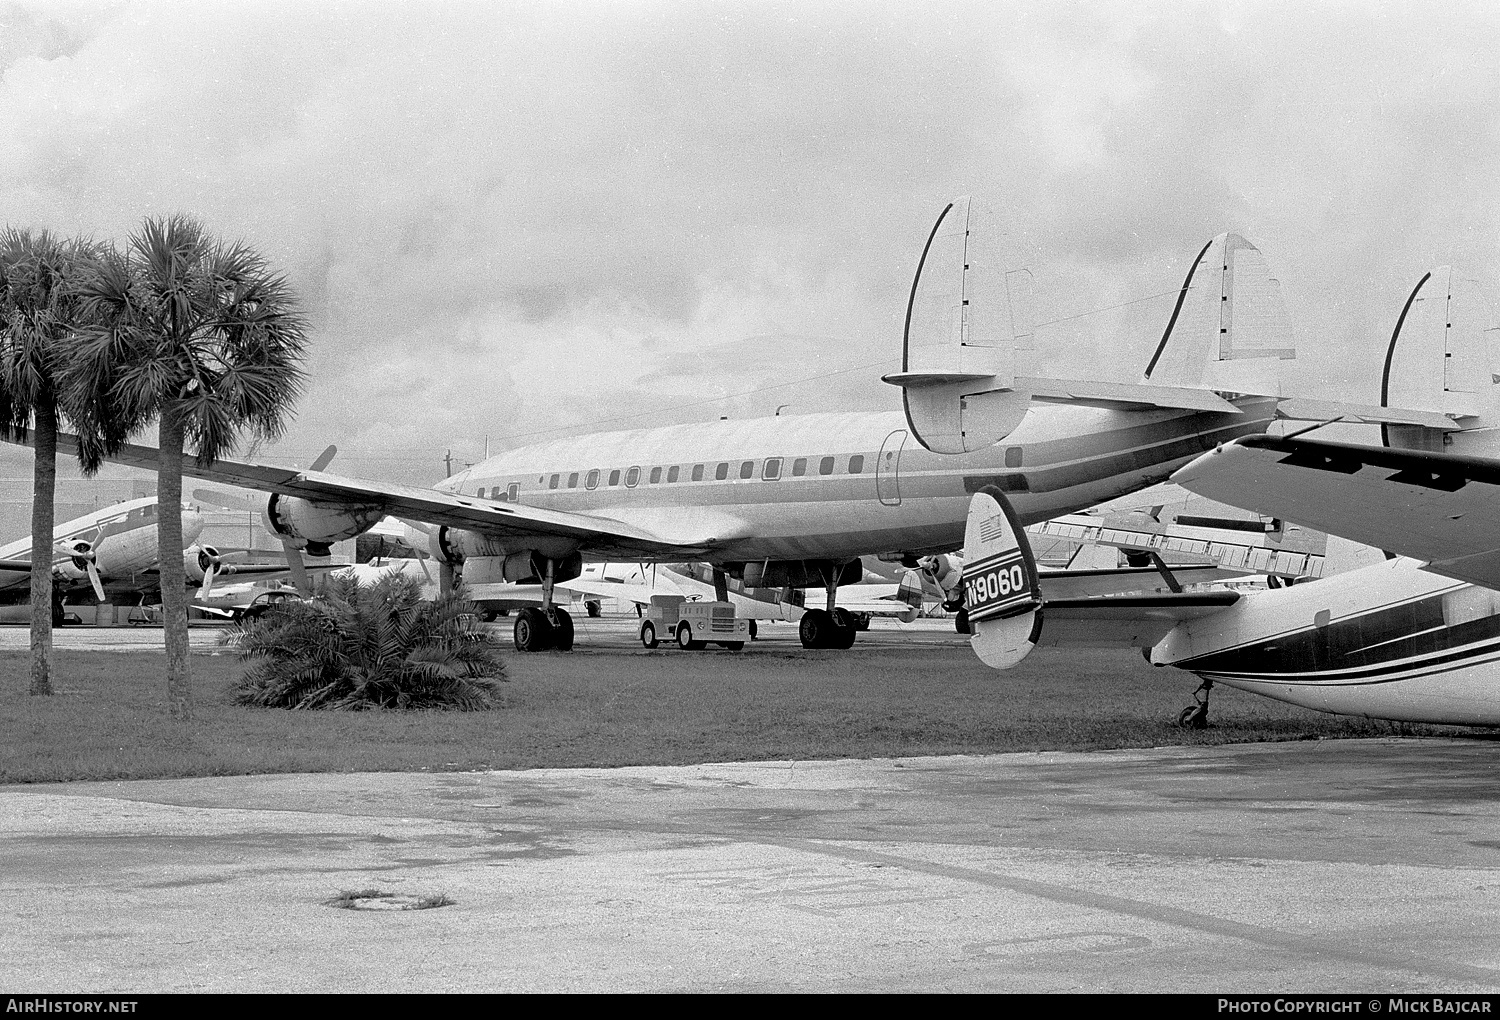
(836, 486)
(1387, 641)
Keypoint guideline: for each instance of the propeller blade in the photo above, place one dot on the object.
(208, 582)
(324, 458)
(298, 568)
(93, 572)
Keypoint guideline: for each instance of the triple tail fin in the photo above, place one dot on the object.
(1439, 361)
(1229, 329)
(1001, 586)
(968, 319)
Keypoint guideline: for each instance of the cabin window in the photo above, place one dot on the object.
(672, 473)
(552, 482)
(655, 475)
(825, 466)
(856, 463)
(632, 477)
(722, 471)
(697, 472)
(772, 469)
(500, 494)
(591, 480)
(799, 467)
(479, 492)
(747, 469)
(148, 511)
(573, 480)
(1012, 456)
(614, 477)
(515, 491)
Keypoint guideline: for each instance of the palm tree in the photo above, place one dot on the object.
(379, 645)
(201, 336)
(39, 316)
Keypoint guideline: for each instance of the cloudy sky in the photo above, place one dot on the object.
(522, 220)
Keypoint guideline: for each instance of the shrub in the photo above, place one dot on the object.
(377, 645)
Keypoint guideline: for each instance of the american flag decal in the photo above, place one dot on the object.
(992, 529)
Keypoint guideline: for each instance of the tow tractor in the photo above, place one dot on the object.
(694, 625)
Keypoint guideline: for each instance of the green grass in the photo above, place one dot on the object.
(604, 708)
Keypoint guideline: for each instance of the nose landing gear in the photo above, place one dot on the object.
(1195, 716)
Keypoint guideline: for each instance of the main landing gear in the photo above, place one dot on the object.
(548, 627)
(821, 629)
(1195, 716)
(830, 627)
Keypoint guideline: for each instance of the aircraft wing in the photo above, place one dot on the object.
(1125, 621)
(1438, 507)
(601, 535)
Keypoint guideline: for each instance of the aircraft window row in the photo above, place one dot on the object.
(770, 470)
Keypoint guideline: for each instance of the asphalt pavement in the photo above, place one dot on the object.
(1339, 866)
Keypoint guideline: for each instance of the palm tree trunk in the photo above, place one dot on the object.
(170, 569)
(43, 508)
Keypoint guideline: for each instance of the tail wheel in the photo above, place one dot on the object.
(533, 631)
(961, 621)
(562, 633)
(648, 634)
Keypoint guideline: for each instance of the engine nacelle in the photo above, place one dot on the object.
(525, 567)
(316, 526)
(796, 573)
(460, 548)
(75, 566)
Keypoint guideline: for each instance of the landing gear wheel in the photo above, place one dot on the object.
(685, 639)
(961, 621)
(814, 628)
(593, 609)
(562, 633)
(533, 631)
(1195, 716)
(842, 635)
(648, 634)
(752, 630)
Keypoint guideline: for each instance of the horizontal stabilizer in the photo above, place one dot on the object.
(1126, 621)
(1124, 395)
(1000, 582)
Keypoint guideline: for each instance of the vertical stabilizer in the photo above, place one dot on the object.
(1228, 329)
(967, 316)
(1438, 360)
(1002, 590)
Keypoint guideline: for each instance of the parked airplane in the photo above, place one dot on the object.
(1413, 638)
(112, 553)
(794, 501)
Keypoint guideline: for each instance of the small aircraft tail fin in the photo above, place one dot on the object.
(1002, 589)
(1438, 360)
(1228, 330)
(967, 321)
